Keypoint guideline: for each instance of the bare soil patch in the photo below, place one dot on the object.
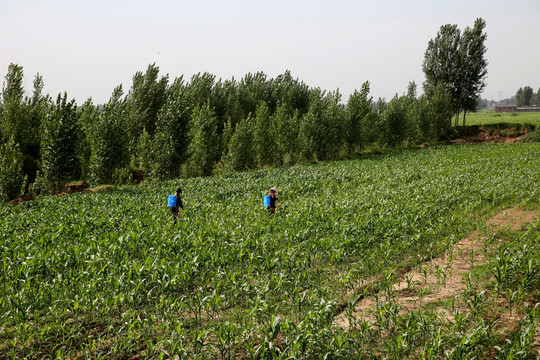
(69, 189)
(443, 278)
(482, 134)
(21, 199)
(488, 139)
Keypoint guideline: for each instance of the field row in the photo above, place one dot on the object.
(108, 275)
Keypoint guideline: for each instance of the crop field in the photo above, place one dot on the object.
(491, 117)
(108, 275)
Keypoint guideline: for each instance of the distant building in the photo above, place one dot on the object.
(528, 108)
(513, 108)
(505, 108)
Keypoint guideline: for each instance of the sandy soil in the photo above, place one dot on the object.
(445, 277)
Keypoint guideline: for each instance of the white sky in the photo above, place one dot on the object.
(89, 47)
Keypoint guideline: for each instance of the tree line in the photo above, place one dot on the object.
(525, 96)
(180, 128)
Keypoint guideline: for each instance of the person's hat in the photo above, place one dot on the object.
(274, 189)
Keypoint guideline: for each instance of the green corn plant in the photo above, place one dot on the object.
(107, 273)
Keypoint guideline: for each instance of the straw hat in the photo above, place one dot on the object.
(274, 189)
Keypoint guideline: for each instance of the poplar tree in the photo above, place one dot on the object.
(519, 97)
(88, 115)
(144, 100)
(527, 96)
(373, 125)
(441, 110)
(13, 113)
(287, 127)
(309, 136)
(264, 136)
(358, 107)
(394, 122)
(474, 65)
(321, 129)
(241, 154)
(61, 145)
(457, 62)
(420, 128)
(289, 93)
(203, 149)
(110, 155)
(228, 131)
(12, 178)
(170, 143)
(21, 116)
(200, 90)
(252, 89)
(333, 121)
(37, 106)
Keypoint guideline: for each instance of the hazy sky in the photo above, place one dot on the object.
(89, 47)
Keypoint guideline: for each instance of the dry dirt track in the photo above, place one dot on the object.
(428, 278)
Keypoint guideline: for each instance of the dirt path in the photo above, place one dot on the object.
(445, 277)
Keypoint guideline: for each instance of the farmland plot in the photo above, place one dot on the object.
(491, 117)
(108, 275)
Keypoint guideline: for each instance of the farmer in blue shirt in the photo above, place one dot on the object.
(273, 193)
(176, 209)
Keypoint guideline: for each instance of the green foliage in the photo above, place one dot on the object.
(228, 280)
(12, 90)
(38, 106)
(519, 97)
(88, 115)
(419, 125)
(286, 135)
(201, 90)
(333, 119)
(370, 125)
(145, 149)
(358, 108)
(169, 146)
(440, 105)
(264, 136)
(203, 146)
(524, 96)
(109, 141)
(228, 132)
(290, 93)
(252, 90)
(492, 117)
(144, 101)
(14, 113)
(310, 134)
(456, 61)
(226, 104)
(532, 136)
(22, 116)
(61, 145)
(153, 129)
(393, 120)
(321, 129)
(442, 63)
(241, 154)
(429, 118)
(474, 64)
(12, 178)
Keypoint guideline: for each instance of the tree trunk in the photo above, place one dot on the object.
(464, 114)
